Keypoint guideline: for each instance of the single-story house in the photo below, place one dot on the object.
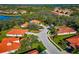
(9, 45)
(33, 52)
(63, 30)
(73, 41)
(35, 21)
(16, 32)
(23, 11)
(26, 24)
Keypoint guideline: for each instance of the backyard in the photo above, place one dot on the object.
(59, 40)
(30, 42)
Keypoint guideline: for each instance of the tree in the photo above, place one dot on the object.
(33, 26)
(26, 43)
(52, 30)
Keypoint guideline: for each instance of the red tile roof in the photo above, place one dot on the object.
(65, 29)
(74, 40)
(73, 45)
(35, 21)
(26, 24)
(9, 44)
(33, 52)
(17, 31)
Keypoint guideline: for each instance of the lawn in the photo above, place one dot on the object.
(39, 46)
(59, 40)
(30, 42)
(2, 35)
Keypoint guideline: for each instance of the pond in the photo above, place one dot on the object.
(2, 17)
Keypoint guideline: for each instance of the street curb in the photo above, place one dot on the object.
(62, 51)
(55, 44)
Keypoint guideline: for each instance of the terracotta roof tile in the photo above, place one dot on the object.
(8, 44)
(65, 29)
(17, 31)
(74, 40)
(35, 21)
(33, 52)
(25, 24)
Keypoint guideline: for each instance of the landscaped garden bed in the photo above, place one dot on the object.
(30, 42)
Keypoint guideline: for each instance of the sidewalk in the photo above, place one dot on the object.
(62, 51)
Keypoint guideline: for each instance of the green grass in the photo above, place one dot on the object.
(30, 42)
(3, 34)
(61, 38)
(39, 46)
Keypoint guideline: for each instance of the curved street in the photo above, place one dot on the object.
(51, 49)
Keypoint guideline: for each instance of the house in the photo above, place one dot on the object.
(60, 11)
(73, 41)
(63, 30)
(9, 45)
(26, 24)
(15, 12)
(68, 12)
(36, 21)
(16, 32)
(23, 11)
(33, 52)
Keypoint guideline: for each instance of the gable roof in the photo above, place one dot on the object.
(17, 31)
(33, 52)
(25, 24)
(35, 21)
(65, 29)
(74, 40)
(9, 44)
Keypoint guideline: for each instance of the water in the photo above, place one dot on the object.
(8, 17)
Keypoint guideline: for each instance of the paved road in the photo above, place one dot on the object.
(49, 46)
